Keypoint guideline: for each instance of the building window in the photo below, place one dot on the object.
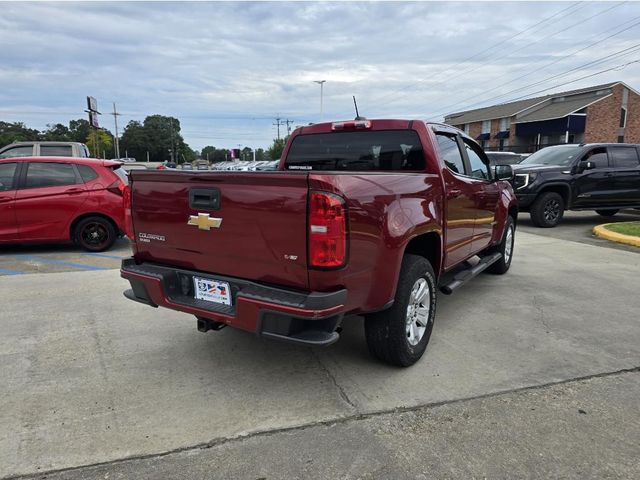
(621, 139)
(505, 123)
(623, 117)
(486, 126)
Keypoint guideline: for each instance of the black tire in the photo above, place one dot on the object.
(547, 210)
(607, 213)
(95, 234)
(505, 247)
(387, 332)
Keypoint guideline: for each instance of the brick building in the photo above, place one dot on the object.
(603, 113)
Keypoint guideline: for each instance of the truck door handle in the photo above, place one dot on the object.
(75, 190)
(453, 193)
(207, 198)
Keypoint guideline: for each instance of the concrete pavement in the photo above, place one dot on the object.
(89, 377)
(576, 430)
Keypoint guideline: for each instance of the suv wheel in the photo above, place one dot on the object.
(400, 335)
(547, 210)
(505, 247)
(607, 213)
(95, 234)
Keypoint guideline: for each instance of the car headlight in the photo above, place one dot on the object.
(522, 180)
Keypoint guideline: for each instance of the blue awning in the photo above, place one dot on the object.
(503, 134)
(483, 136)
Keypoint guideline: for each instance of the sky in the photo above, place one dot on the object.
(227, 70)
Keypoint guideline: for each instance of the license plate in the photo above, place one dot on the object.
(212, 290)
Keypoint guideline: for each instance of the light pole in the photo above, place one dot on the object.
(321, 83)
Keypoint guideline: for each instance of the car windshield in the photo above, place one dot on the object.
(560, 155)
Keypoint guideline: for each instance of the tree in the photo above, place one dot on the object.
(16, 132)
(246, 154)
(260, 154)
(104, 141)
(56, 132)
(79, 130)
(275, 150)
(214, 154)
(134, 141)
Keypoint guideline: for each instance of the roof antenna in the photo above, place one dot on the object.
(355, 104)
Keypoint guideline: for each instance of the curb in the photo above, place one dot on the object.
(602, 232)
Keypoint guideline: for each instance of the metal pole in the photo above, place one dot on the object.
(115, 119)
(321, 83)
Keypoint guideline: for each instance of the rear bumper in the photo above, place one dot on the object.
(277, 313)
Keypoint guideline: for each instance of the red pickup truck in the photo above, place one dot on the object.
(363, 217)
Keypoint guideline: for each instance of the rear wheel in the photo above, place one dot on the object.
(547, 210)
(400, 335)
(607, 213)
(95, 234)
(505, 247)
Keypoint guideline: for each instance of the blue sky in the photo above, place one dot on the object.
(227, 70)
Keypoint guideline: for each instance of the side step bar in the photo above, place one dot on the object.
(467, 274)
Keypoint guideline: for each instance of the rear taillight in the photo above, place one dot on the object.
(128, 220)
(327, 230)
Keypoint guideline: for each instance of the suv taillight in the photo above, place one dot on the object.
(118, 187)
(327, 230)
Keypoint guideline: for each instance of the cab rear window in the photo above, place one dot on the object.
(387, 150)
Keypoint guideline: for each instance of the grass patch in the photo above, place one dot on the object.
(625, 228)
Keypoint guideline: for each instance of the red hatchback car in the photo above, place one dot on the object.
(53, 199)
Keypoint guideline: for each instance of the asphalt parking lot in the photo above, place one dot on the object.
(531, 374)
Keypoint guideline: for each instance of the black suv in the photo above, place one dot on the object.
(604, 177)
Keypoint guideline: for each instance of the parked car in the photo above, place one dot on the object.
(604, 177)
(167, 166)
(364, 217)
(504, 158)
(125, 160)
(55, 199)
(45, 149)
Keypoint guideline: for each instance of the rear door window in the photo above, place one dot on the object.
(21, 151)
(56, 151)
(624, 157)
(49, 175)
(386, 150)
(7, 176)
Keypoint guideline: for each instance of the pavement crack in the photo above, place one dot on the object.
(336, 421)
(540, 308)
(332, 377)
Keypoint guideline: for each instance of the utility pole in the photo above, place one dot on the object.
(277, 124)
(115, 119)
(172, 148)
(288, 122)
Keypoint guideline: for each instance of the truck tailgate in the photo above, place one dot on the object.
(261, 236)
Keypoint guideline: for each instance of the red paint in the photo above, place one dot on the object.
(265, 228)
(46, 214)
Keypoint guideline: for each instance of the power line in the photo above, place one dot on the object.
(606, 58)
(546, 37)
(617, 67)
(462, 62)
(550, 63)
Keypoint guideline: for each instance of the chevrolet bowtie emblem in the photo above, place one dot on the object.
(204, 222)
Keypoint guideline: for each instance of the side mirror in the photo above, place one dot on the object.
(503, 172)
